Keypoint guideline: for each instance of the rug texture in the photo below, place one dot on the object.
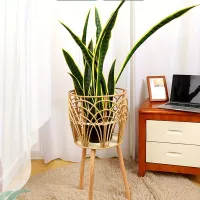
(62, 184)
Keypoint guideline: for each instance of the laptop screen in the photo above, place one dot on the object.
(185, 89)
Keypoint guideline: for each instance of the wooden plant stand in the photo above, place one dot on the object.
(105, 117)
(92, 167)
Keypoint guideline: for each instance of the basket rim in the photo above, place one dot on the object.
(73, 93)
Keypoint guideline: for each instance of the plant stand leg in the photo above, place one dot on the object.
(82, 168)
(123, 170)
(91, 186)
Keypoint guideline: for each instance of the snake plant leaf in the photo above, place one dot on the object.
(73, 67)
(90, 46)
(98, 24)
(96, 51)
(103, 85)
(88, 72)
(85, 29)
(91, 55)
(104, 48)
(98, 43)
(87, 79)
(85, 33)
(151, 32)
(111, 79)
(82, 46)
(77, 85)
(13, 195)
(90, 50)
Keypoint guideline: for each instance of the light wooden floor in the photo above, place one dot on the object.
(38, 166)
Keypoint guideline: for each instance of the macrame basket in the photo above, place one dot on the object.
(98, 122)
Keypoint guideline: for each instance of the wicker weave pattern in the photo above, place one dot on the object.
(102, 116)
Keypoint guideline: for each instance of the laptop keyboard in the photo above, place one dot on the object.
(185, 105)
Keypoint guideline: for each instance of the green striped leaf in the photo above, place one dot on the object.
(73, 67)
(90, 46)
(91, 54)
(111, 79)
(81, 45)
(151, 32)
(77, 85)
(103, 49)
(98, 43)
(85, 29)
(98, 24)
(96, 51)
(85, 33)
(87, 79)
(103, 85)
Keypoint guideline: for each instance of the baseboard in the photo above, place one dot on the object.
(36, 155)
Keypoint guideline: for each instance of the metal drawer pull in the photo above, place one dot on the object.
(175, 154)
(174, 132)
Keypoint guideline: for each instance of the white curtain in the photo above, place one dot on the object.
(56, 137)
(174, 49)
(24, 84)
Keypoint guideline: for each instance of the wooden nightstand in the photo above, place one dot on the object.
(169, 140)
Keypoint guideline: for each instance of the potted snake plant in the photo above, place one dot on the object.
(96, 106)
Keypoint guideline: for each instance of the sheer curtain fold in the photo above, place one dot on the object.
(20, 102)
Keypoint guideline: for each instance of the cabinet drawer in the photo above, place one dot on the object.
(173, 154)
(173, 132)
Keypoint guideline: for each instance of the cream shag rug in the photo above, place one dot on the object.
(62, 184)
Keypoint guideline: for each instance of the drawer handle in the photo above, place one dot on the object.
(175, 154)
(174, 132)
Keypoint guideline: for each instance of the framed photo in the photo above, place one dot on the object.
(157, 88)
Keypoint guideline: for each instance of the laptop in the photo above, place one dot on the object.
(185, 94)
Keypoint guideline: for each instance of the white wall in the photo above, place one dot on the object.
(175, 48)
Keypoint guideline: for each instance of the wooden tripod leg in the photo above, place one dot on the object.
(123, 170)
(91, 186)
(82, 168)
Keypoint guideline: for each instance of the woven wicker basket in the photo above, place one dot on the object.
(98, 122)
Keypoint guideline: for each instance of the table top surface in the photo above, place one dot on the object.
(151, 107)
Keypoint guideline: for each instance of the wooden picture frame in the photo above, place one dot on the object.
(157, 88)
